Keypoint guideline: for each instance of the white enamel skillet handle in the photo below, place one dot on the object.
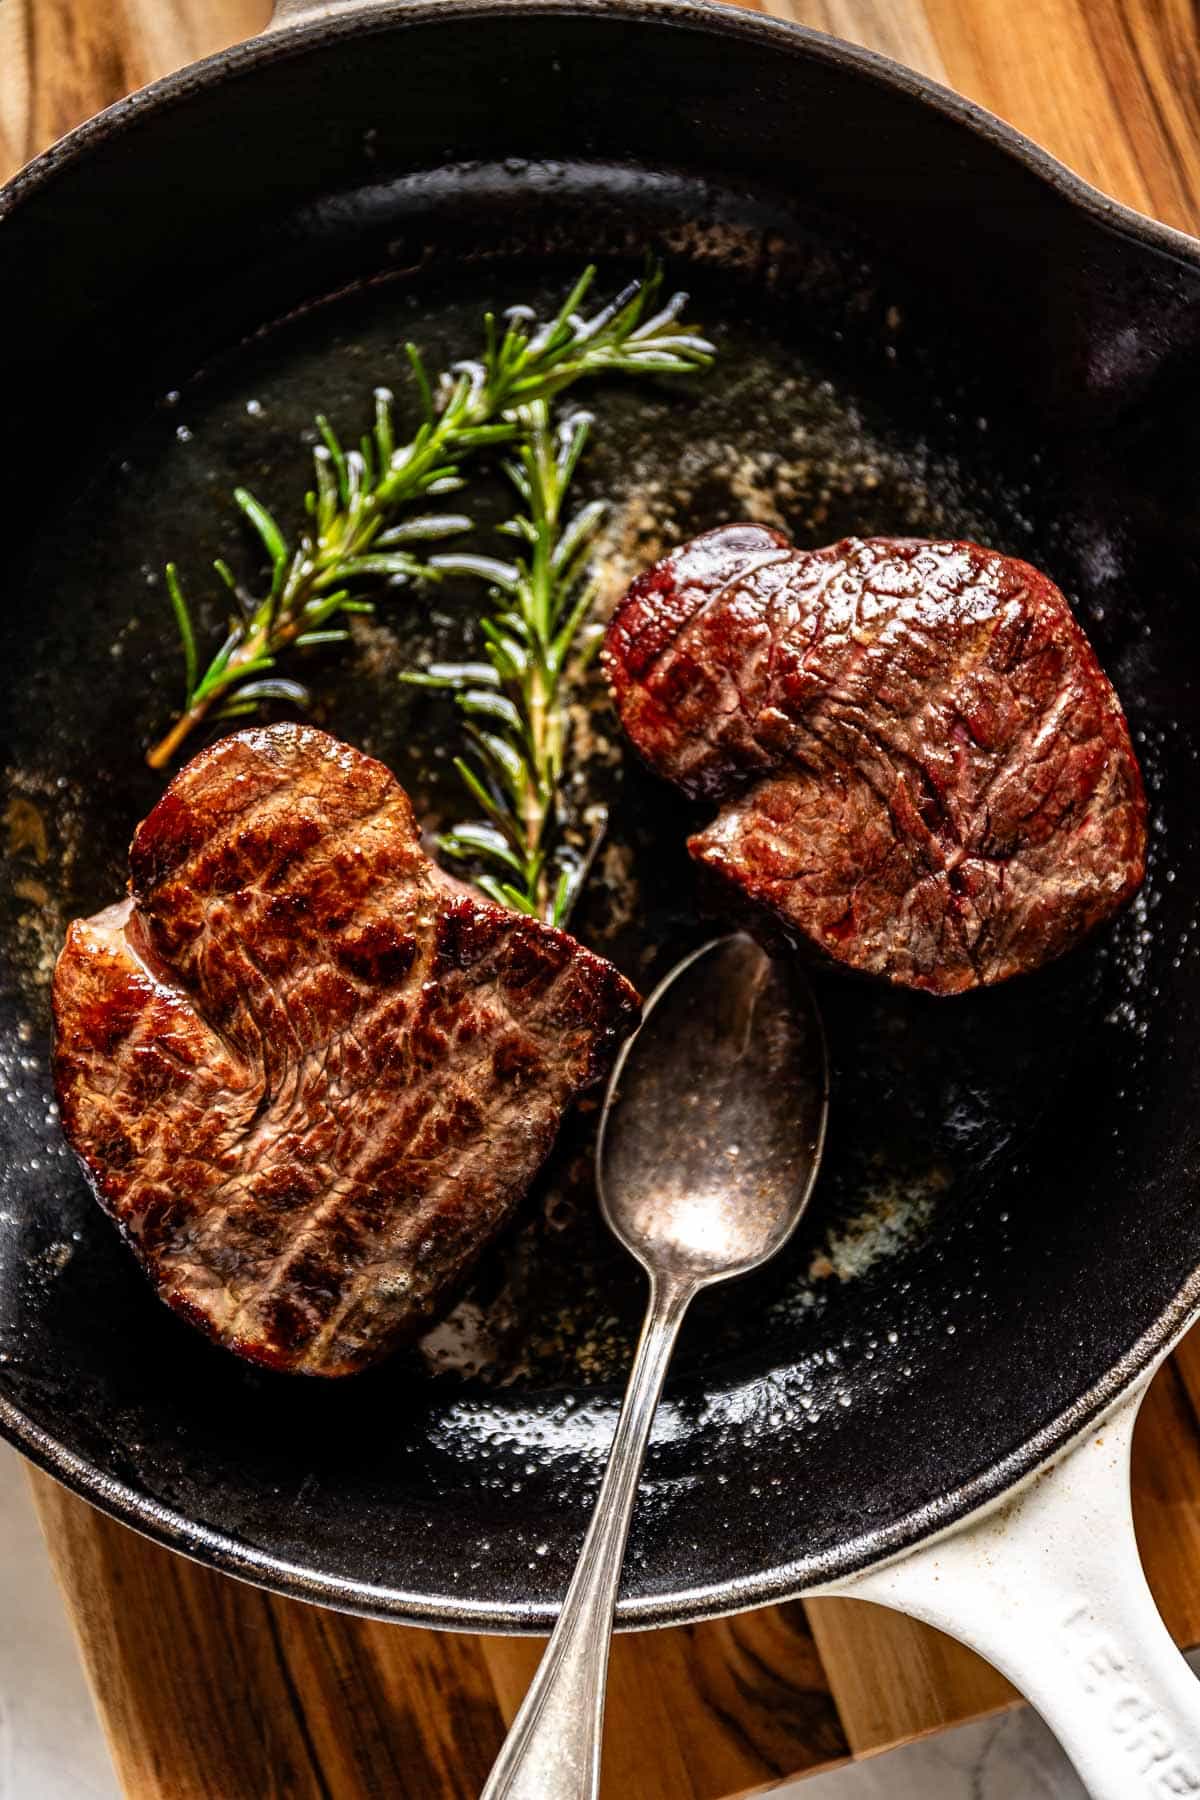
(1050, 1589)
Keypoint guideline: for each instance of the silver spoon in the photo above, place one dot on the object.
(712, 1131)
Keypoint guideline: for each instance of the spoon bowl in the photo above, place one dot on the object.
(714, 1120)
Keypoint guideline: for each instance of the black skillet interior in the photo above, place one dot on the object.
(919, 332)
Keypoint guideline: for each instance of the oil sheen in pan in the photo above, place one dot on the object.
(932, 1100)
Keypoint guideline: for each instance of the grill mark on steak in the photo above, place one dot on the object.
(357, 1180)
(920, 768)
(309, 1075)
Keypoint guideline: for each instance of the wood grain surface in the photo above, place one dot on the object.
(210, 1690)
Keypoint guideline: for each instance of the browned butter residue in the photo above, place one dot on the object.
(26, 829)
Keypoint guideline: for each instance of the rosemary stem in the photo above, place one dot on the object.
(536, 807)
(522, 745)
(160, 754)
(266, 636)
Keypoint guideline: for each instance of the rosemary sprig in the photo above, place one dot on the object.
(512, 704)
(358, 530)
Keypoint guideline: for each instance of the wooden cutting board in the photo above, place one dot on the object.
(210, 1690)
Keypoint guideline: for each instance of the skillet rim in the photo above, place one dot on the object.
(173, 1529)
(281, 38)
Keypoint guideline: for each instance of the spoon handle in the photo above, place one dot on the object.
(553, 1747)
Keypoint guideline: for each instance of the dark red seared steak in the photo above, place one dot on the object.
(921, 768)
(308, 1076)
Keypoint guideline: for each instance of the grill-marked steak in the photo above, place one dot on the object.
(921, 768)
(308, 1075)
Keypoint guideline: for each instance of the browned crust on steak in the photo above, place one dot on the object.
(308, 1075)
(922, 771)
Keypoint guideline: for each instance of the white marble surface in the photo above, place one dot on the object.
(51, 1746)
(1012, 1757)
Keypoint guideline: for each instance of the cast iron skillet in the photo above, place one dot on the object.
(928, 326)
